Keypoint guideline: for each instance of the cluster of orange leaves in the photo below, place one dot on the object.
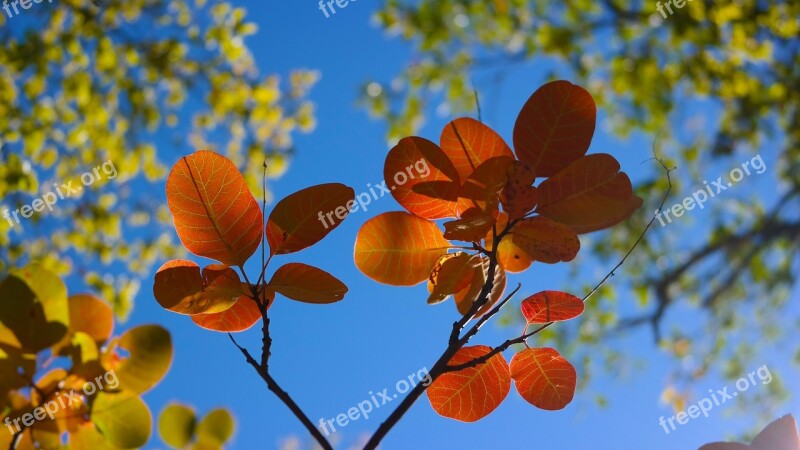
(217, 217)
(491, 197)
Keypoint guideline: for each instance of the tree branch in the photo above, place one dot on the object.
(273, 386)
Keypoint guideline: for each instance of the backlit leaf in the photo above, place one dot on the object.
(122, 418)
(468, 295)
(482, 189)
(590, 194)
(150, 349)
(452, 273)
(302, 219)
(307, 284)
(551, 306)
(510, 256)
(91, 315)
(469, 143)
(544, 378)
(86, 437)
(239, 317)
(473, 225)
(181, 288)
(35, 307)
(176, 425)
(218, 425)
(471, 394)
(215, 214)
(554, 127)
(545, 240)
(519, 196)
(398, 248)
(430, 193)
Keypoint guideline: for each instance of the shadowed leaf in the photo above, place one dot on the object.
(307, 284)
(35, 307)
(545, 240)
(554, 127)
(469, 143)
(122, 418)
(176, 425)
(430, 195)
(180, 287)
(150, 349)
(589, 195)
(302, 219)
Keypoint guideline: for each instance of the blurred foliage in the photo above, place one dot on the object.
(727, 76)
(63, 378)
(82, 84)
(179, 428)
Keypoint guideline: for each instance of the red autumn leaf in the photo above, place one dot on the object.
(519, 196)
(468, 295)
(239, 317)
(215, 214)
(469, 143)
(471, 227)
(545, 240)
(551, 306)
(471, 394)
(181, 288)
(482, 189)
(307, 284)
(399, 248)
(302, 219)
(452, 273)
(589, 195)
(544, 378)
(421, 178)
(555, 127)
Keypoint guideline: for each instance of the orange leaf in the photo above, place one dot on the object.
(215, 214)
(551, 306)
(452, 273)
(239, 317)
(421, 178)
(468, 295)
(545, 240)
(518, 196)
(179, 287)
(92, 316)
(469, 143)
(481, 190)
(510, 256)
(302, 219)
(399, 248)
(471, 227)
(555, 127)
(307, 284)
(471, 394)
(544, 378)
(589, 195)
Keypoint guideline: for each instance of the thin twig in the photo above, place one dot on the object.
(273, 386)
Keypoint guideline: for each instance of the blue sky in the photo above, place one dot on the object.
(330, 357)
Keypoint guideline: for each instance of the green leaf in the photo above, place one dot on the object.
(150, 348)
(34, 307)
(122, 418)
(176, 425)
(218, 424)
